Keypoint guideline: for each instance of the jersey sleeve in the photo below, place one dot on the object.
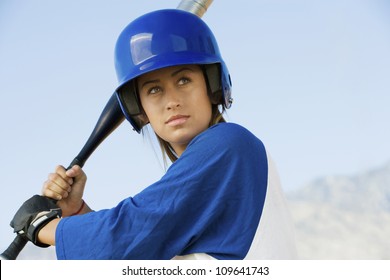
(209, 201)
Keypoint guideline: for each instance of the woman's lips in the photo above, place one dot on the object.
(177, 120)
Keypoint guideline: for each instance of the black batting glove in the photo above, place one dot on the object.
(34, 214)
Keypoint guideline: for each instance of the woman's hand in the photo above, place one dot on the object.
(67, 187)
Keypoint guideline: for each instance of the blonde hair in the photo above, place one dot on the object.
(166, 148)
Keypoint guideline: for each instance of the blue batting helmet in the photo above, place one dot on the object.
(161, 39)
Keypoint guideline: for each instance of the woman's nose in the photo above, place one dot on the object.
(173, 99)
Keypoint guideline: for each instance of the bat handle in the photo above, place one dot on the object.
(14, 248)
(76, 161)
(17, 245)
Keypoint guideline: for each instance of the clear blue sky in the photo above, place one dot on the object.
(310, 78)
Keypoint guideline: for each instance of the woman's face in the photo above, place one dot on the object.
(176, 103)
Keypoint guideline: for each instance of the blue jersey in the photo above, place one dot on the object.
(209, 204)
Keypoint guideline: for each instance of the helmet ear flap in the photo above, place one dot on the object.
(131, 106)
(212, 74)
(219, 84)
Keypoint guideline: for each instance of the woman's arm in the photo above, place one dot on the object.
(47, 234)
(203, 203)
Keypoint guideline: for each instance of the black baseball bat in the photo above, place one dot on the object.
(110, 118)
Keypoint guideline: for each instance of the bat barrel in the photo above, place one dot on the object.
(197, 7)
(110, 118)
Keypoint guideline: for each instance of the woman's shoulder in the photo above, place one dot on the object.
(227, 127)
(231, 132)
(228, 135)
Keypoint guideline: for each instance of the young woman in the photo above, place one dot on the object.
(220, 198)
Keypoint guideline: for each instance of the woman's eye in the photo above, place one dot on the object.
(154, 90)
(183, 81)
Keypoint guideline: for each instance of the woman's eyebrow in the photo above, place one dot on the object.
(172, 75)
(149, 82)
(181, 70)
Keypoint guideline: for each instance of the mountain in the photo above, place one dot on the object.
(344, 217)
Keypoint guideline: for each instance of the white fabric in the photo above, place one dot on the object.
(275, 237)
(197, 256)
